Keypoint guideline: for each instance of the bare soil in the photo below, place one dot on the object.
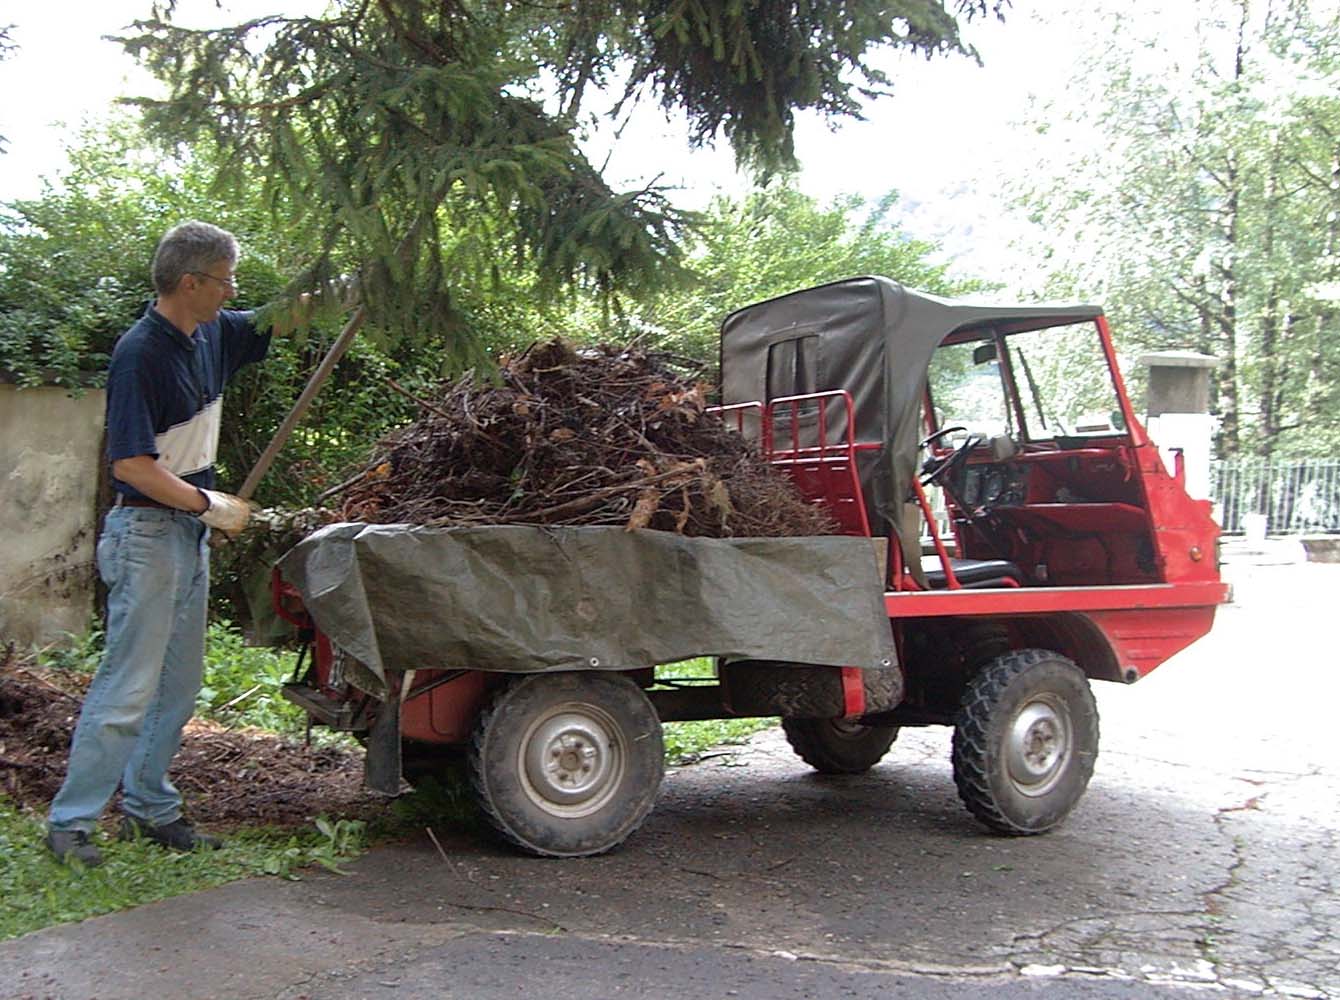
(228, 777)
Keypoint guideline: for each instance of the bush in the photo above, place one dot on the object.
(242, 684)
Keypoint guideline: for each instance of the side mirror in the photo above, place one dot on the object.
(983, 353)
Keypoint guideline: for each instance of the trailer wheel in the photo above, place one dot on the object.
(1025, 741)
(567, 765)
(838, 746)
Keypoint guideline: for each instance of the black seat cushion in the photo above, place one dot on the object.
(971, 572)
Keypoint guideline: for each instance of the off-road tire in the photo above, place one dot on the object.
(1025, 741)
(883, 689)
(769, 687)
(804, 691)
(838, 746)
(566, 765)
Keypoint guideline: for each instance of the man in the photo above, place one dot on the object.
(164, 397)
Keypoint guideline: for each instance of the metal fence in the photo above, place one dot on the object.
(1297, 496)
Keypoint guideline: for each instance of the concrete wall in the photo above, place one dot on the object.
(50, 455)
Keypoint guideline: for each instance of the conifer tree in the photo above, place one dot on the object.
(394, 122)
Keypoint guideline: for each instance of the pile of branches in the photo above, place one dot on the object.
(607, 436)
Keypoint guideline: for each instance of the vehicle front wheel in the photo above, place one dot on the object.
(838, 746)
(567, 765)
(1025, 741)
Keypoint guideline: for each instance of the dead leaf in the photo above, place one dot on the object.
(560, 434)
(687, 402)
(682, 518)
(644, 510)
(717, 496)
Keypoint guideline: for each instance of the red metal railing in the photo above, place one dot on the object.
(793, 433)
(824, 470)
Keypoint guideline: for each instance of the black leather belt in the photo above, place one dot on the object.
(124, 501)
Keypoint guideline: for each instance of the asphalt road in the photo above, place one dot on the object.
(1202, 860)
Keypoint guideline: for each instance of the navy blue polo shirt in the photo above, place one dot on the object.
(165, 391)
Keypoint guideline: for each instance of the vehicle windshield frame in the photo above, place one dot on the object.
(1016, 408)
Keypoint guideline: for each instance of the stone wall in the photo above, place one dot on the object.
(50, 456)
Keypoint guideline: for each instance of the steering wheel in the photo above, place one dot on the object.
(935, 469)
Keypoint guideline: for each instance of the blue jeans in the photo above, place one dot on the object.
(155, 563)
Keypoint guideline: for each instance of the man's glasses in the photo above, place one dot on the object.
(227, 283)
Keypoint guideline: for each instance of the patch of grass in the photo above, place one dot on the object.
(38, 891)
(443, 798)
(686, 742)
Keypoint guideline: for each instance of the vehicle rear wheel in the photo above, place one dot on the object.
(567, 765)
(838, 746)
(1025, 741)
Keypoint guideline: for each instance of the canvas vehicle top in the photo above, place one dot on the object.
(1041, 459)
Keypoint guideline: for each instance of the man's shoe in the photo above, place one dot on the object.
(71, 846)
(178, 835)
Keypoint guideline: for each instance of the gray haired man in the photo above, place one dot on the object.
(164, 401)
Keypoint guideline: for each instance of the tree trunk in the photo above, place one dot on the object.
(1271, 363)
(1230, 430)
(1325, 332)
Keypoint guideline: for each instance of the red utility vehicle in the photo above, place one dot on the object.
(1001, 442)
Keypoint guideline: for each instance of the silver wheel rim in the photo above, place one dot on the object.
(1038, 745)
(572, 760)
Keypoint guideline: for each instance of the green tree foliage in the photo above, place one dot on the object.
(744, 69)
(388, 123)
(1202, 208)
(74, 262)
(74, 274)
(777, 240)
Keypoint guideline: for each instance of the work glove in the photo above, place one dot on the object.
(225, 513)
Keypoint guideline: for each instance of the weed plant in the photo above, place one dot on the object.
(241, 684)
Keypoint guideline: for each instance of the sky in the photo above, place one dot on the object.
(939, 140)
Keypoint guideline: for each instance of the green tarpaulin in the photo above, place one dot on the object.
(527, 599)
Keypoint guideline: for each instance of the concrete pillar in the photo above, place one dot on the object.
(1178, 412)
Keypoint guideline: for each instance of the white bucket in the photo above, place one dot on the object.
(1254, 528)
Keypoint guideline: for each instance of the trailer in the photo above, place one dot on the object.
(1010, 534)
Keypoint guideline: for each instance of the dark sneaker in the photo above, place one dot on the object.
(178, 835)
(72, 846)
